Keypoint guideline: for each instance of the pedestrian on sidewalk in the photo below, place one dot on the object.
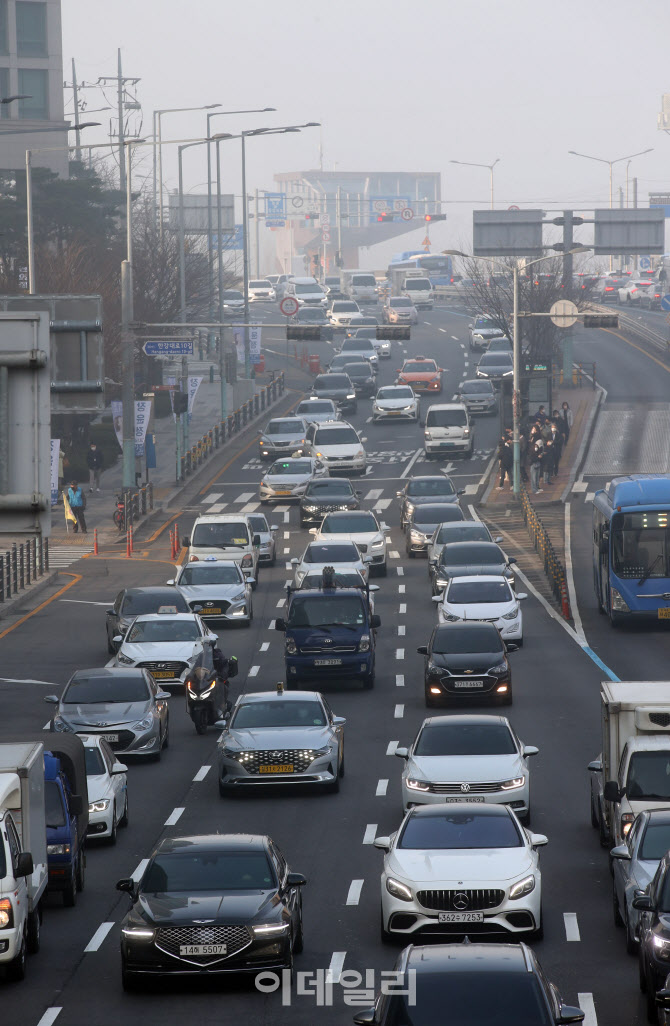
(541, 416)
(566, 413)
(506, 460)
(523, 456)
(550, 462)
(557, 444)
(77, 501)
(63, 462)
(536, 457)
(94, 461)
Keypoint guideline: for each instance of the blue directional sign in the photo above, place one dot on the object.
(275, 209)
(665, 302)
(168, 347)
(229, 239)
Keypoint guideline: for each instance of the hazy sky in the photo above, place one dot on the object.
(401, 85)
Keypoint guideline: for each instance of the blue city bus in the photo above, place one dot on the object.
(631, 548)
(436, 266)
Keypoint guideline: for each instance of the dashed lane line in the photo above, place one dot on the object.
(402, 607)
(571, 926)
(174, 817)
(354, 895)
(392, 745)
(370, 833)
(138, 873)
(382, 788)
(401, 571)
(50, 1016)
(400, 653)
(253, 672)
(401, 630)
(401, 589)
(334, 972)
(265, 646)
(400, 680)
(399, 712)
(98, 937)
(244, 497)
(587, 1006)
(201, 774)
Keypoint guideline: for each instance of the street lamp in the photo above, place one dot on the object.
(158, 155)
(469, 163)
(516, 347)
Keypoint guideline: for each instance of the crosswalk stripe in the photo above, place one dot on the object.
(214, 497)
(64, 555)
(374, 493)
(218, 507)
(250, 507)
(244, 497)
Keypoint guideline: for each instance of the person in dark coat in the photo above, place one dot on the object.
(94, 463)
(506, 460)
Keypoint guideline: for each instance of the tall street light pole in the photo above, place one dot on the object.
(158, 156)
(469, 163)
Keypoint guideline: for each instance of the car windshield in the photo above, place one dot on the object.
(484, 999)
(461, 533)
(465, 739)
(260, 284)
(331, 488)
(259, 524)
(195, 871)
(641, 544)
(326, 611)
(102, 690)
(393, 392)
(314, 316)
(165, 631)
(475, 553)
(344, 307)
(232, 294)
(417, 285)
(430, 486)
(649, 776)
(467, 640)
(95, 764)
(330, 552)
(285, 427)
(446, 418)
(369, 332)
(655, 842)
(479, 591)
(476, 388)
(220, 535)
(349, 523)
(316, 406)
(135, 603)
(485, 322)
(344, 435)
(419, 367)
(309, 289)
(290, 468)
(363, 279)
(358, 345)
(358, 370)
(199, 575)
(428, 514)
(53, 802)
(328, 381)
(496, 360)
(279, 713)
(400, 301)
(491, 827)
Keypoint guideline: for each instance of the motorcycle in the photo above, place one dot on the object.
(207, 695)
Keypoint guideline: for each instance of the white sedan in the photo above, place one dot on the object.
(447, 868)
(395, 402)
(287, 479)
(107, 788)
(467, 757)
(340, 555)
(360, 527)
(483, 598)
(167, 644)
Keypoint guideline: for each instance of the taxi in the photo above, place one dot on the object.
(422, 374)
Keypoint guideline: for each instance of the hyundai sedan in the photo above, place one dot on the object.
(281, 437)
(166, 644)
(287, 479)
(360, 527)
(318, 555)
(395, 402)
(217, 589)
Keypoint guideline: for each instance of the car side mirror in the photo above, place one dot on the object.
(663, 998)
(171, 581)
(511, 560)
(274, 527)
(422, 649)
(595, 766)
(162, 696)
(402, 753)
(196, 609)
(295, 880)
(498, 539)
(437, 598)
(119, 767)
(375, 621)
(257, 539)
(642, 902)
(358, 494)
(383, 843)
(367, 1017)
(185, 542)
(620, 852)
(461, 491)
(611, 792)
(110, 612)
(339, 721)
(313, 530)
(512, 647)
(530, 750)
(280, 624)
(295, 561)
(118, 638)
(51, 699)
(538, 840)
(521, 595)
(568, 1014)
(128, 886)
(24, 864)
(76, 804)
(233, 667)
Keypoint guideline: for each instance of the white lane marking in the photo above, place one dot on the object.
(455, 338)
(402, 608)
(374, 493)
(571, 926)
(471, 489)
(589, 497)
(282, 509)
(443, 330)
(401, 589)
(368, 420)
(218, 507)
(370, 833)
(400, 653)
(50, 1016)
(139, 871)
(335, 968)
(281, 602)
(271, 625)
(392, 745)
(265, 646)
(570, 577)
(399, 712)
(201, 774)
(466, 363)
(27, 680)
(87, 602)
(174, 817)
(586, 1004)
(382, 788)
(580, 486)
(286, 550)
(427, 322)
(253, 672)
(289, 566)
(286, 517)
(401, 571)
(354, 895)
(411, 463)
(47, 725)
(400, 680)
(98, 937)
(244, 497)
(394, 554)
(287, 535)
(250, 507)
(382, 504)
(214, 497)
(401, 630)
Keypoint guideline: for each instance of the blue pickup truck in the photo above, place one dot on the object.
(330, 633)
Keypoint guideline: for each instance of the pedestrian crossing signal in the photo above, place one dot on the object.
(601, 320)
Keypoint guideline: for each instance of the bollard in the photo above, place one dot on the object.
(565, 602)
(150, 489)
(129, 547)
(143, 498)
(95, 541)
(2, 580)
(46, 554)
(22, 575)
(15, 568)
(28, 560)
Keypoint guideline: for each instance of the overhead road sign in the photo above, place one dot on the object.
(299, 206)
(289, 306)
(507, 232)
(563, 313)
(275, 209)
(168, 347)
(629, 231)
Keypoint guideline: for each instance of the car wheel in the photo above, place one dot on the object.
(519, 642)
(299, 940)
(604, 833)
(382, 570)
(111, 840)
(507, 699)
(16, 970)
(526, 818)
(81, 871)
(70, 893)
(125, 818)
(34, 931)
(618, 921)
(369, 681)
(255, 584)
(468, 455)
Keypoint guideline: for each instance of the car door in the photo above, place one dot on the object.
(336, 728)
(117, 780)
(160, 704)
(15, 851)
(114, 615)
(621, 868)
(290, 895)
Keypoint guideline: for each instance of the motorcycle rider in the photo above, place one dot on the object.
(202, 676)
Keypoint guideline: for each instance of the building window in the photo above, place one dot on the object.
(4, 92)
(34, 84)
(31, 29)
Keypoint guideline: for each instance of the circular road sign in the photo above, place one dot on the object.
(563, 313)
(325, 236)
(513, 207)
(289, 306)
(407, 213)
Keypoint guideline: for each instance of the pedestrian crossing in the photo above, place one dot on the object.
(62, 556)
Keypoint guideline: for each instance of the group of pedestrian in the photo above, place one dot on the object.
(540, 451)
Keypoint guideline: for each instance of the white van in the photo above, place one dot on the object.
(308, 292)
(225, 536)
(448, 430)
(362, 287)
(420, 291)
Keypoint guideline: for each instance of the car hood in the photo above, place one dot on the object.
(104, 714)
(99, 786)
(161, 650)
(503, 367)
(459, 867)
(478, 662)
(488, 332)
(183, 908)
(479, 610)
(280, 738)
(472, 570)
(330, 500)
(341, 450)
(349, 564)
(288, 480)
(476, 397)
(474, 768)
(194, 592)
(394, 404)
(419, 375)
(330, 393)
(283, 439)
(365, 354)
(362, 538)
(422, 500)
(426, 529)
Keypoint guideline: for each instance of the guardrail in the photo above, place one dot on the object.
(638, 328)
(553, 567)
(22, 565)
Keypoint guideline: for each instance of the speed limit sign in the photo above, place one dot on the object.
(289, 306)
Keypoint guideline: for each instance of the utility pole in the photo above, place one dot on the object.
(635, 205)
(77, 133)
(338, 217)
(568, 244)
(120, 82)
(258, 238)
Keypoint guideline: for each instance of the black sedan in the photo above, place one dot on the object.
(466, 660)
(327, 495)
(420, 490)
(467, 559)
(338, 387)
(132, 602)
(211, 904)
(653, 906)
(362, 378)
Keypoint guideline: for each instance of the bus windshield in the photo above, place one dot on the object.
(641, 544)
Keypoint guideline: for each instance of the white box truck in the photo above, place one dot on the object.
(632, 772)
(23, 853)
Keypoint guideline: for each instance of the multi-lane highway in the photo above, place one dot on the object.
(327, 837)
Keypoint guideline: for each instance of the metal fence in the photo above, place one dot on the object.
(583, 375)
(639, 329)
(21, 565)
(553, 567)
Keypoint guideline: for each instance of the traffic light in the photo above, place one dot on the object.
(435, 217)
(180, 402)
(601, 320)
(385, 217)
(311, 217)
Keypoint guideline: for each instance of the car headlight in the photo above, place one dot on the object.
(58, 849)
(409, 507)
(124, 659)
(434, 670)
(145, 723)
(247, 561)
(466, 432)
(661, 946)
(428, 434)
(398, 890)
(379, 543)
(619, 605)
(352, 396)
(6, 914)
(364, 643)
(100, 806)
(450, 617)
(230, 753)
(291, 647)
(310, 509)
(360, 454)
(498, 669)
(523, 887)
(510, 785)
(300, 576)
(512, 615)
(61, 726)
(627, 822)
(138, 933)
(270, 929)
(415, 535)
(418, 785)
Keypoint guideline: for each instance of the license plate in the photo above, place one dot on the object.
(469, 684)
(283, 493)
(465, 798)
(445, 444)
(288, 768)
(203, 949)
(327, 662)
(162, 673)
(210, 610)
(664, 613)
(460, 917)
(112, 738)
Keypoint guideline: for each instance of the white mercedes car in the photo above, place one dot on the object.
(483, 598)
(447, 868)
(107, 788)
(360, 527)
(287, 478)
(340, 555)
(167, 644)
(395, 402)
(467, 757)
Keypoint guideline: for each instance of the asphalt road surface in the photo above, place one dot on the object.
(326, 837)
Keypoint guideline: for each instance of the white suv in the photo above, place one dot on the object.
(341, 312)
(448, 430)
(338, 444)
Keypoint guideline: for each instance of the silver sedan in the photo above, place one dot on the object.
(281, 738)
(217, 589)
(287, 479)
(634, 864)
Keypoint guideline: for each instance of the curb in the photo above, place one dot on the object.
(585, 442)
(9, 607)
